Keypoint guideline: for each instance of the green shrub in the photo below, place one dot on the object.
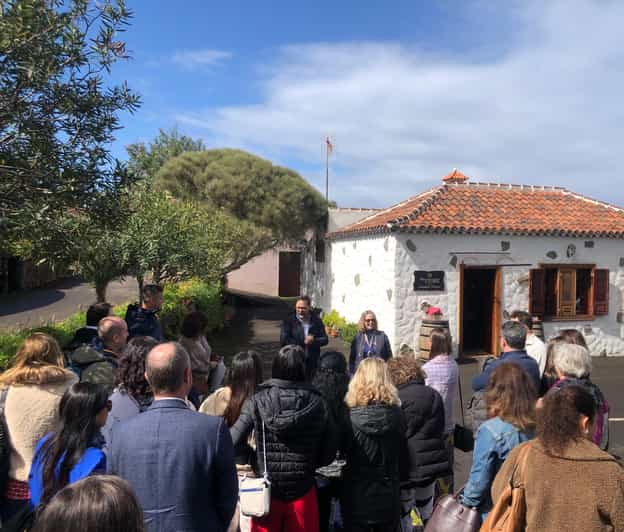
(179, 298)
(347, 329)
(206, 297)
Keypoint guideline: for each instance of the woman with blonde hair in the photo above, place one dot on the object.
(368, 342)
(375, 450)
(510, 400)
(31, 392)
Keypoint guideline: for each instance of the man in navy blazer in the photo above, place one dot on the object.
(512, 344)
(180, 463)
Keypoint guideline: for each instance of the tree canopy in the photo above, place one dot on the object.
(248, 187)
(146, 159)
(57, 116)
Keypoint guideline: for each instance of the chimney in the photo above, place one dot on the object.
(455, 177)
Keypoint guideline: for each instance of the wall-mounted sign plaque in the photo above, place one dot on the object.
(430, 281)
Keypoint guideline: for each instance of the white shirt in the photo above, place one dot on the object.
(536, 349)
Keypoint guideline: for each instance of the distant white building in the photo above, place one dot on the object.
(475, 250)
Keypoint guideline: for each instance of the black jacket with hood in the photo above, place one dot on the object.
(423, 410)
(299, 434)
(376, 455)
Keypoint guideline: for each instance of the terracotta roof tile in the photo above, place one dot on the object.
(463, 207)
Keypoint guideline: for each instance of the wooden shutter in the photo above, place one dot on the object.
(601, 292)
(537, 292)
(566, 293)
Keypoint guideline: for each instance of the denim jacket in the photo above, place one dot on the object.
(495, 439)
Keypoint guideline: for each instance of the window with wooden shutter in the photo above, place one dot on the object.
(566, 293)
(570, 291)
(601, 292)
(537, 285)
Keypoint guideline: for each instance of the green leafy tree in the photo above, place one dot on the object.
(249, 188)
(146, 159)
(169, 239)
(57, 116)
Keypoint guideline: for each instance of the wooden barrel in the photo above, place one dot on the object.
(538, 329)
(424, 342)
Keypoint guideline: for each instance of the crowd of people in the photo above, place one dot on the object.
(126, 431)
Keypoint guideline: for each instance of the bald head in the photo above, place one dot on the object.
(168, 369)
(114, 333)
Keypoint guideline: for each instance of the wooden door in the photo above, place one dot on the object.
(289, 273)
(497, 311)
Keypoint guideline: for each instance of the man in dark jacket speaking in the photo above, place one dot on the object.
(305, 329)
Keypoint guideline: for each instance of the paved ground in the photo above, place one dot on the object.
(257, 327)
(57, 301)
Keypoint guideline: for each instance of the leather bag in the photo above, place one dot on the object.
(509, 512)
(450, 515)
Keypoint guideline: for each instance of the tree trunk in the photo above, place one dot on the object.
(100, 291)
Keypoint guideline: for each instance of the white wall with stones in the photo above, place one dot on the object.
(360, 275)
(377, 272)
(433, 252)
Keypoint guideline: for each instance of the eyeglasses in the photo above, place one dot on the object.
(370, 321)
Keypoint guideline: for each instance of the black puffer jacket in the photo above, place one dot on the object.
(424, 417)
(299, 434)
(375, 456)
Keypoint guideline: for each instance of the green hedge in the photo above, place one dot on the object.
(206, 297)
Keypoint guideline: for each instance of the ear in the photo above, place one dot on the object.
(188, 376)
(585, 426)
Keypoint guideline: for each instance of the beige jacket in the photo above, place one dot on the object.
(31, 411)
(583, 489)
(216, 403)
(199, 351)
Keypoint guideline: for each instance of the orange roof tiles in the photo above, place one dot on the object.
(463, 207)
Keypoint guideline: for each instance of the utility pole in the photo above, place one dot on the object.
(329, 148)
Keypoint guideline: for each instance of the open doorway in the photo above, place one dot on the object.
(480, 311)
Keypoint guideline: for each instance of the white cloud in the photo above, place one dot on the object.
(547, 111)
(193, 59)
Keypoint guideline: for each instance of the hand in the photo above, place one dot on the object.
(309, 339)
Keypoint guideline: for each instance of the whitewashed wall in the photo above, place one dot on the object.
(433, 252)
(360, 276)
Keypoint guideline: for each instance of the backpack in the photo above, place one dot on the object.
(509, 512)
(5, 446)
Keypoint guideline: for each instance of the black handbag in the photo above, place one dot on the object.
(463, 437)
(450, 515)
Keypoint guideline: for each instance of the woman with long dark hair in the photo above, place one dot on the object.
(510, 400)
(74, 451)
(290, 415)
(569, 483)
(242, 379)
(132, 394)
(332, 380)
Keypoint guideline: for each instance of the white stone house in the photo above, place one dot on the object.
(475, 250)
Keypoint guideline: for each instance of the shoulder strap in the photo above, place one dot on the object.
(3, 396)
(520, 466)
(461, 400)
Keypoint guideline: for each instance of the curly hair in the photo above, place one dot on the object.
(131, 371)
(404, 369)
(511, 396)
(558, 418)
(371, 384)
(361, 326)
(332, 380)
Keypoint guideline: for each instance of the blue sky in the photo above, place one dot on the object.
(520, 92)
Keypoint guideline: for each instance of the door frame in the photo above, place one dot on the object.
(497, 306)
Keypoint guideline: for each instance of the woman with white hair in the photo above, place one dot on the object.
(573, 366)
